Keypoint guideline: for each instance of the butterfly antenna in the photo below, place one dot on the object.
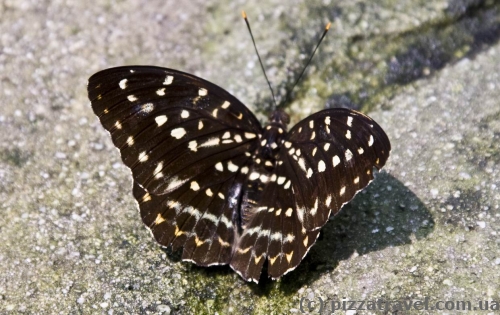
(327, 27)
(244, 15)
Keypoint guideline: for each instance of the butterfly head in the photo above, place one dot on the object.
(280, 117)
(274, 134)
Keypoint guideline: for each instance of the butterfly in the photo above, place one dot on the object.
(209, 178)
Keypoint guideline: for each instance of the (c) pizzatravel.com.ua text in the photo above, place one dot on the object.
(319, 305)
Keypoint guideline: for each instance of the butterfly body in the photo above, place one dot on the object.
(208, 178)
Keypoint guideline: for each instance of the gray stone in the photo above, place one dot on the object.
(428, 72)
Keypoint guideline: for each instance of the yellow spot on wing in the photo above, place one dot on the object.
(146, 197)
(273, 259)
(289, 256)
(225, 244)
(178, 232)
(257, 259)
(198, 241)
(243, 251)
(159, 219)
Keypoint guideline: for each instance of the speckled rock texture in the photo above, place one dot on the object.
(72, 242)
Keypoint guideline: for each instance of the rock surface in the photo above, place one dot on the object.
(71, 241)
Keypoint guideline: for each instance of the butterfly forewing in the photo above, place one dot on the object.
(332, 156)
(185, 140)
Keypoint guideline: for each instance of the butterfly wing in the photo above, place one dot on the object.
(332, 154)
(324, 161)
(185, 141)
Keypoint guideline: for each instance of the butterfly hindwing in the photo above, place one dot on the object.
(275, 233)
(185, 140)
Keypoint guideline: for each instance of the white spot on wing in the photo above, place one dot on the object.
(309, 173)
(349, 121)
(225, 105)
(210, 142)
(327, 120)
(360, 151)
(226, 222)
(219, 167)
(302, 164)
(130, 141)
(342, 190)
(336, 160)
(232, 167)
(158, 169)
(263, 178)
(147, 108)
(321, 166)
(168, 80)
(195, 186)
(210, 217)
(254, 176)
(175, 183)
(200, 125)
(132, 98)
(193, 145)
(326, 146)
(178, 133)
(185, 114)
(123, 84)
(202, 92)
(289, 212)
(209, 192)
(328, 200)
(348, 155)
(143, 157)
(311, 124)
(160, 120)
(276, 236)
(160, 92)
(249, 135)
(370, 141)
(348, 134)
(281, 180)
(287, 185)
(315, 208)
(300, 214)
(118, 125)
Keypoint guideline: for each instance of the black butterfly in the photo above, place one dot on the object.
(210, 179)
